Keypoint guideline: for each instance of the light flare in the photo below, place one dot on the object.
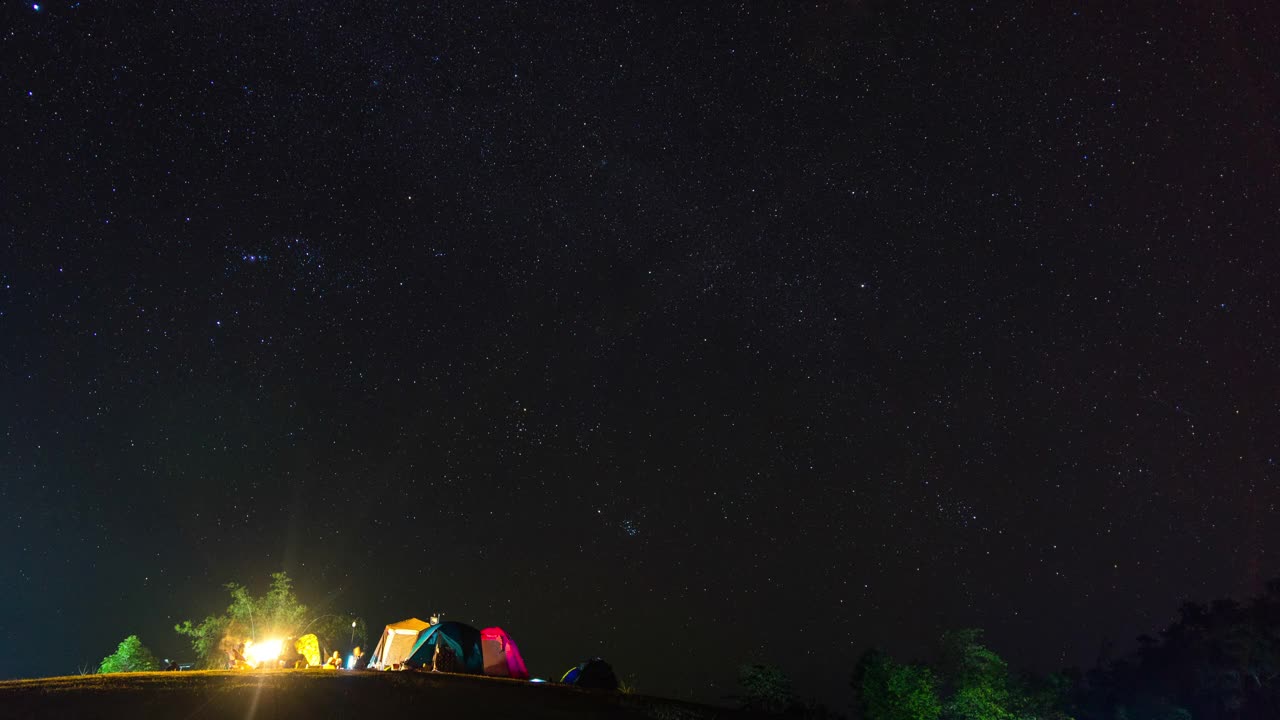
(267, 651)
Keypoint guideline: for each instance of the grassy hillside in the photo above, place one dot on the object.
(316, 694)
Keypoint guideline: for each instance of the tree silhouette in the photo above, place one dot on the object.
(765, 689)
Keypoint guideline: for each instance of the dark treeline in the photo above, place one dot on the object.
(1219, 661)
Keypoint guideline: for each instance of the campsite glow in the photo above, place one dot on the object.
(259, 652)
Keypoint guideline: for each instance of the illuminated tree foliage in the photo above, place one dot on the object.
(207, 639)
(130, 656)
(976, 678)
(886, 690)
(278, 613)
(967, 682)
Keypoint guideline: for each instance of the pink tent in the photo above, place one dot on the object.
(501, 656)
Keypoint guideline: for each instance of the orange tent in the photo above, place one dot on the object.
(396, 643)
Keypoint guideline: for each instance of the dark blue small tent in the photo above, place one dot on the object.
(594, 673)
(463, 640)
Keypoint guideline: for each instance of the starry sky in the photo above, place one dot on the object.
(684, 335)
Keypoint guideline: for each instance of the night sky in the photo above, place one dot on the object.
(682, 336)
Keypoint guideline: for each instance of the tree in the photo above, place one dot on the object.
(207, 639)
(278, 613)
(966, 662)
(977, 702)
(335, 631)
(765, 688)
(968, 682)
(886, 690)
(130, 656)
(1217, 661)
(1045, 697)
(976, 677)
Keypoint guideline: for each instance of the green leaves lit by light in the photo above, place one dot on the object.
(130, 656)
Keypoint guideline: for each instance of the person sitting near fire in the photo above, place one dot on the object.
(360, 661)
(334, 662)
(235, 657)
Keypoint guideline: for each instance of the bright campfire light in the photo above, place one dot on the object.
(267, 651)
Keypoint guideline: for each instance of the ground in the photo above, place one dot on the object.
(317, 694)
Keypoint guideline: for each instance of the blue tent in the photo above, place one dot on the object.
(594, 673)
(463, 640)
